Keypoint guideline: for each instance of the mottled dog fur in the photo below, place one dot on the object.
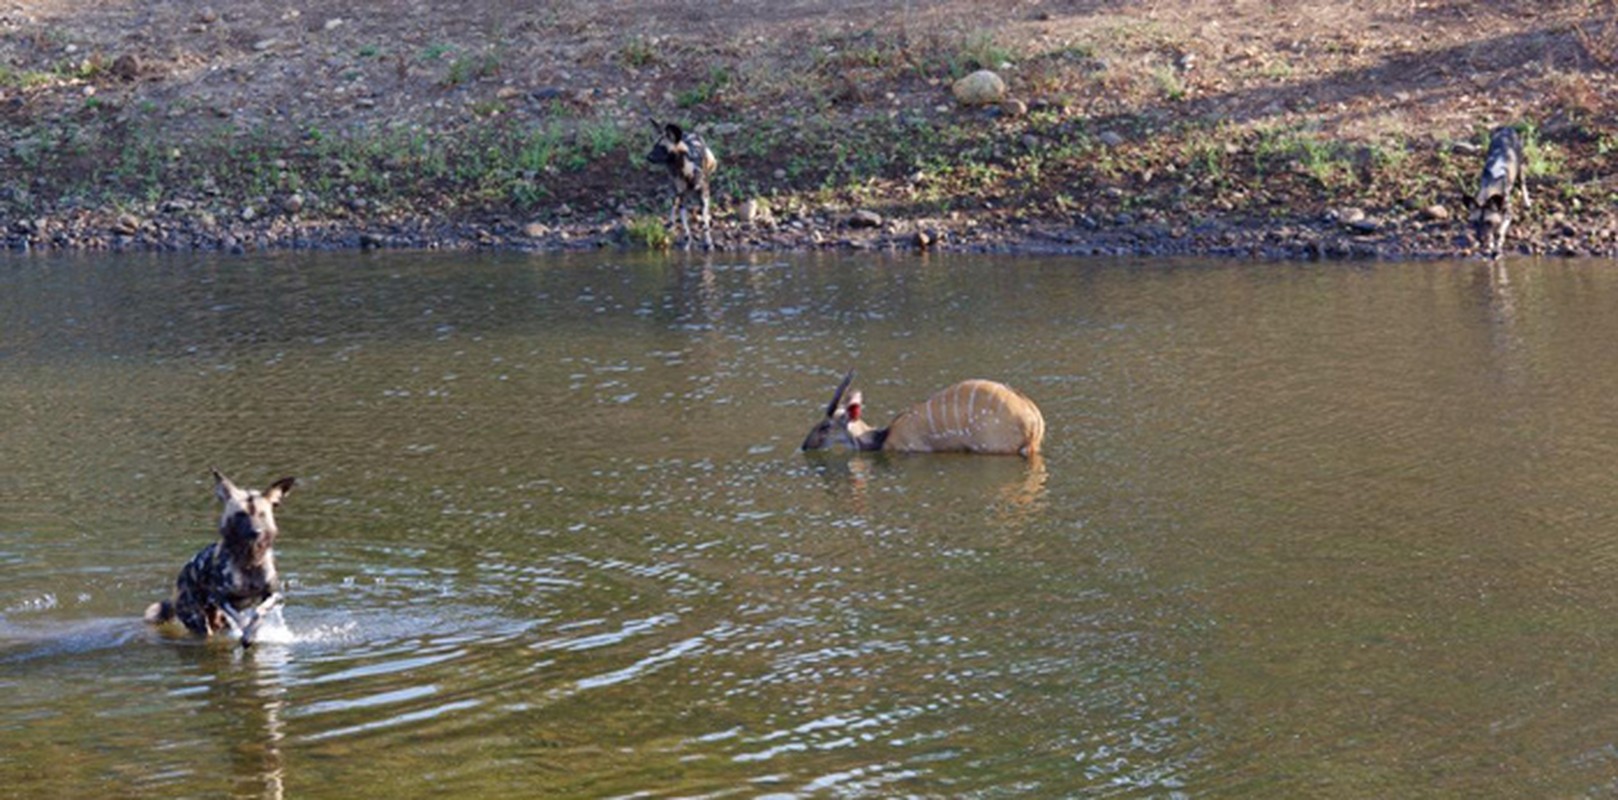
(231, 582)
(690, 163)
(1491, 207)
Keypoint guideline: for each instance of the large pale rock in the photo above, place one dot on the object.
(981, 88)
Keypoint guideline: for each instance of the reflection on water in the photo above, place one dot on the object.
(1297, 531)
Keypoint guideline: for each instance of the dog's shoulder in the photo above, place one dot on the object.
(205, 561)
(700, 152)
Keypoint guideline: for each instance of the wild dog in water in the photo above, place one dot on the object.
(232, 581)
(690, 162)
(969, 417)
(1491, 207)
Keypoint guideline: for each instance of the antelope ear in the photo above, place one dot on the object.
(223, 488)
(279, 489)
(853, 406)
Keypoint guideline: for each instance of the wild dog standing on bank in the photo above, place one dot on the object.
(969, 417)
(232, 581)
(690, 162)
(1491, 207)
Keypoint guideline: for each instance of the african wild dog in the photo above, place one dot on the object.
(690, 163)
(232, 581)
(1491, 207)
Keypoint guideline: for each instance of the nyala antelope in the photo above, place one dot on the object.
(1491, 207)
(232, 581)
(690, 162)
(973, 416)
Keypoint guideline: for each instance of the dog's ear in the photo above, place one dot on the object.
(223, 488)
(673, 132)
(279, 489)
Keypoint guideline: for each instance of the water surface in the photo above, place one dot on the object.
(1298, 530)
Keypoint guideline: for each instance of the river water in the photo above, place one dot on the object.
(1298, 530)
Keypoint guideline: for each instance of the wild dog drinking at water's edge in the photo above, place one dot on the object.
(1491, 206)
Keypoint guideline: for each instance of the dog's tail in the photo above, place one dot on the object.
(160, 612)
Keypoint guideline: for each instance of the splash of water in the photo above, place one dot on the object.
(273, 629)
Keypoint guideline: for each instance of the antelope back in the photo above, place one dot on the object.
(973, 417)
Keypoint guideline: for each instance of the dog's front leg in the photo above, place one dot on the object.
(707, 222)
(236, 619)
(245, 623)
(255, 618)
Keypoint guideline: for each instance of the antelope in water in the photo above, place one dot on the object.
(972, 416)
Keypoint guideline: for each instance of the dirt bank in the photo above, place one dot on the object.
(1236, 127)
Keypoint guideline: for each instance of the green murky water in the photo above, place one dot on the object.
(1298, 531)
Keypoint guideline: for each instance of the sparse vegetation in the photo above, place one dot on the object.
(1147, 113)
(649, 233)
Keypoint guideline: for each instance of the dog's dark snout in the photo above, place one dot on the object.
(242, 524)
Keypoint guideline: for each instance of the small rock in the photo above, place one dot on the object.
(1347, 215)
(292, 204)
(981, 88)
(126, 67)
(1030, 141)
(1012, 107)
(176, 205)
(725, 129)
(207, 16)
(535, 230)
(1365, 225)
(333, 24)
(756, 212)
(264, 44)
(865, 219)
(249, 214)
(1111, 138)
(923, 240)
(1437, 212)
(126, 224)
(371, 241)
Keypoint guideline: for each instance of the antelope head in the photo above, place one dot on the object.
(842, 425)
